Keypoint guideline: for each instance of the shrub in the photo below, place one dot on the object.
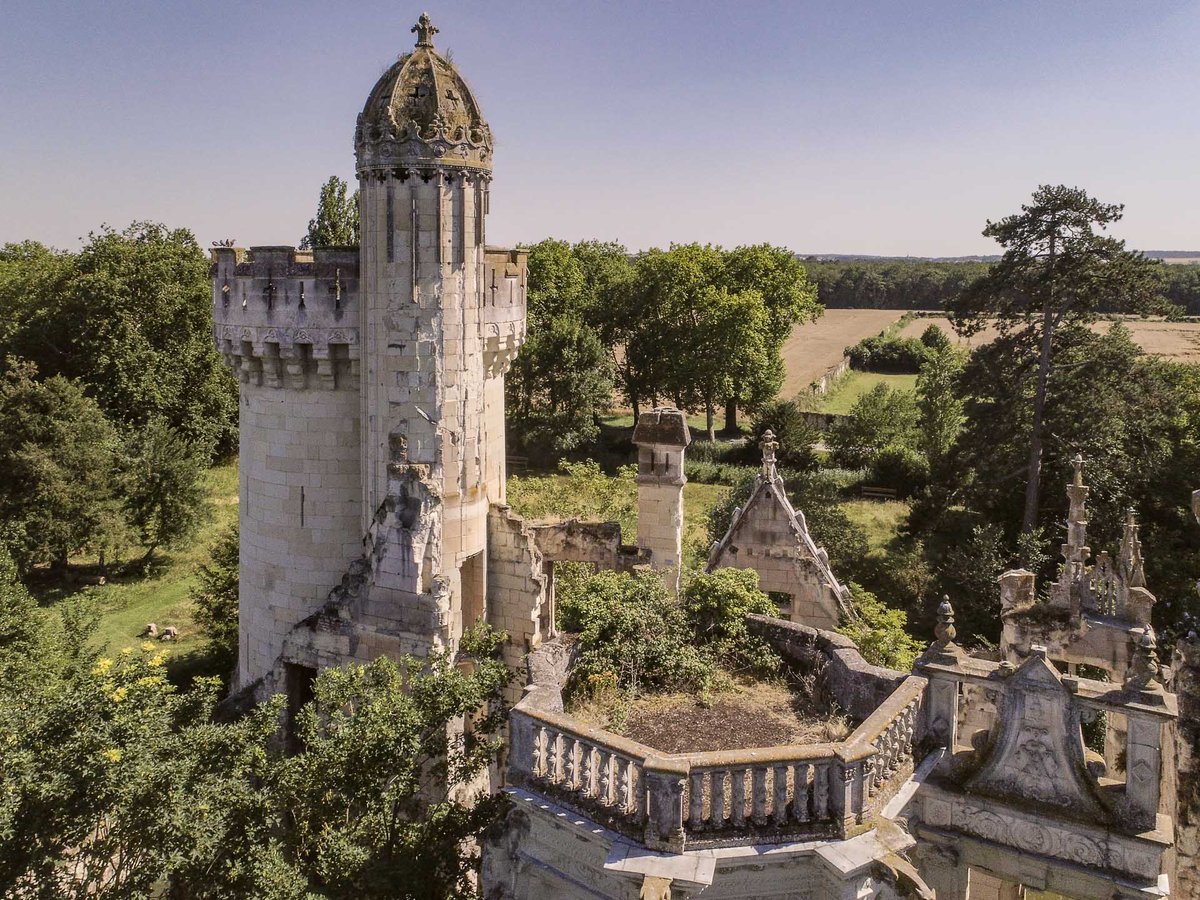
(716, 473)
(901, 468)
(881, 417)
(888, 353)
(631, 627)
(935, 339)
(581, 490)
(716, 606)
(879, 631)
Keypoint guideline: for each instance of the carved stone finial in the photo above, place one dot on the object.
(769, 445)
(1077, 464)
(424, 30)
(1143, 669)
(945, 630)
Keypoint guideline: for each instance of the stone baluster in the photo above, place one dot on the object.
(572, 764)
(522, 748)
(606, 778)
(821, 792)
(696, 800)
(555, 757)
(800, 792)
(737, 816)
(625, 784)
(539, 752)
(779, 776)
(758, 795)
(717, 785)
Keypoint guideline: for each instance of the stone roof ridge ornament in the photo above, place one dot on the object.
(769, 445)
(945, 631)
(1129, 558)
(1144, 671)
(425, 30)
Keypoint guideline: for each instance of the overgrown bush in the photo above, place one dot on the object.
(879, 418)
(716, 473)
(716, 606)
(901, 468)
(888, 353)
(581, 490)
(879, 631)
(632, 628)
(935, 339)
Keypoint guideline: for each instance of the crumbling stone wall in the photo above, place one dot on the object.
(857, 686)
(1185, 682)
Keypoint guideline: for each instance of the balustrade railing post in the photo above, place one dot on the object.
(696, 801)
(846, 795)
(665, 779)
(821, 791)
(520, 752)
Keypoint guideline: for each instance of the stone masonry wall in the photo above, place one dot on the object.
(857, 686)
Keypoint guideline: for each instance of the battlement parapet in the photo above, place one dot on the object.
(287, 317)
(502, 318)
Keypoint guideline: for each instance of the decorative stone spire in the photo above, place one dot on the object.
(769, 445)
(1075, 550)
(945, 631)
(1143, 668)
(1129, 559)
(424, 30)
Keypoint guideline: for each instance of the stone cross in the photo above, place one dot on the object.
(424, 30)
(769, 445)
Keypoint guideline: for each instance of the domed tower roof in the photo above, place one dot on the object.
(422, 114)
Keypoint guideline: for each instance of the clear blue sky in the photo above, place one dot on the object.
(888, 127)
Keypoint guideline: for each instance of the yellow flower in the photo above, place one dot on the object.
(113, 756)
(125, 651)
(118, 695)
(147, 646)
(102, 666)
(157, 659)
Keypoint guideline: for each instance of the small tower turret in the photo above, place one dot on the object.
(661, 437)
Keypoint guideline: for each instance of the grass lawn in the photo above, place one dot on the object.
(880, 519)
(854, 384)
(696, 423)
(126, 604)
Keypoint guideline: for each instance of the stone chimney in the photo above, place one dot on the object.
(661, 436)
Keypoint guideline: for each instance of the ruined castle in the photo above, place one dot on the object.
(373, 522)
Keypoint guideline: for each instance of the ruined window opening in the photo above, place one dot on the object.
(474, 590)
(783, 601)
(299, 684)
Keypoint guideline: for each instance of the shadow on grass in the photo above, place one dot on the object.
(204, 661)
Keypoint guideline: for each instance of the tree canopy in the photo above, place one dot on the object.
(336, 221)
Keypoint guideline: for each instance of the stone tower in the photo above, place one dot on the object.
(372, 414)
(661, 437)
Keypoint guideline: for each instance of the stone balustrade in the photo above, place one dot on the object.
(720, 798)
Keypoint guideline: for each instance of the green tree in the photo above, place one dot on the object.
(215, 596)
(366, 806)
(580, 490)
(1134, 418)
(58, 469)
(716, 606)
(939, 407)
(793, 432)
(20, 629)
(1057, 270)
(779, 277)
(562, 379)
(880, 418)
(336, 222)
(129, 317)
(162, 486)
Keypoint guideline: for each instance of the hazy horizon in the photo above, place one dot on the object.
(866, 129)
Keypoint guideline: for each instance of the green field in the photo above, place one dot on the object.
(880, 519)
(854, 384)
(126, 604)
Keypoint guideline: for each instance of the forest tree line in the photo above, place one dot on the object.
(930, 285)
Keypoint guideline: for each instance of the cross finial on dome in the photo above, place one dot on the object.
(424, 30)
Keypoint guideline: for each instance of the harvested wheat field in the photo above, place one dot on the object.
(1179, 341)
(813, 348)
